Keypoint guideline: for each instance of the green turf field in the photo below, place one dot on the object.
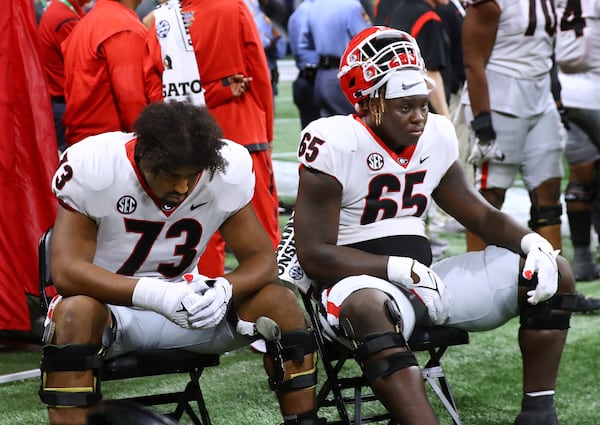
(485, 375)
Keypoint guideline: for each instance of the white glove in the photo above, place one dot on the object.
(541, 258)
(196, 281)
(166, 298)
(209, 309)
(484, 151)
(425, 284)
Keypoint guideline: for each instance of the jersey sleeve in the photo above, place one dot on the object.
(238, 178)
(84, 173)
(323, 144)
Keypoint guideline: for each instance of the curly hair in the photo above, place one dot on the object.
(178, 134)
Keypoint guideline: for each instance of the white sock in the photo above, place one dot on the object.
(540, 393)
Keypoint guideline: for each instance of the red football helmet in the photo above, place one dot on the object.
(372, 56)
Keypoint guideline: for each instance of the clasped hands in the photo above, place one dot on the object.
(196, 302)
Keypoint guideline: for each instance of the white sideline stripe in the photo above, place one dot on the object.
(27, 374)
(286, 155)
(287, 120)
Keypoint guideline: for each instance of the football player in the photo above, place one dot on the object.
(514, 123)
(136, 212)
(366, 181)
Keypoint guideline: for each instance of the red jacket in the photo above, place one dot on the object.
(226, 42)
(56, 24)
(104, 80)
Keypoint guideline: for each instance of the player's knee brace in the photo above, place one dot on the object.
(541, 216)
(293, 345)
(578, 192)
(545, 315)
(72, 358)
(370, 345)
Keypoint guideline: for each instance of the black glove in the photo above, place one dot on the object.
(483, 128)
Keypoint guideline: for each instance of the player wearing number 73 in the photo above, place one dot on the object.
(136, 212)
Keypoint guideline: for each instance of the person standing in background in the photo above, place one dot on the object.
(419, 19)
(274, 44)
(579, 77)
(330, 26)
(576, 88)
(236, 85)
(104, 79)
(57, 22)
(515, 126)
(303, 87)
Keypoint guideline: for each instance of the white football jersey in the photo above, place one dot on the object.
(582, 89)
(136, 234)
(518, 68)
(384, 194)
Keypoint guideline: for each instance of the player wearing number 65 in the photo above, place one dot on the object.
(366, 181)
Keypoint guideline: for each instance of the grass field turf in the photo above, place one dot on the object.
(485, 375)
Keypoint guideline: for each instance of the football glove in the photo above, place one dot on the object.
(196, 281)
(484, 147)
(424, 283)
(208, 310)
(166, 298)
(541, 259)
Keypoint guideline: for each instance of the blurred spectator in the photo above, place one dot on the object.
(236, 83)
(57, 22)
(145, 11)
(274, 44)
(514, 121)
(39, 6)
(330, 26)
(452, 15)
(419, 18)
(104, 80)
(303, 88)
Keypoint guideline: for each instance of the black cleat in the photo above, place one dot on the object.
(585, 304)
(585, 272)
(537, 411)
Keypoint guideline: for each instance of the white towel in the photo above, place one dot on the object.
(180, 78)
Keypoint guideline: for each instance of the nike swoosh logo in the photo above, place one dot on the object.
(410, 86)
(193, 207)
(422, 160)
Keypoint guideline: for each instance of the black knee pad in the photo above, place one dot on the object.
(294, 346)
(387, 365)
(578, 192)
(544, 216)
(70, 358)
(543, 315)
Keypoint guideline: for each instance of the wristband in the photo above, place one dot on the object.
(148, 294)
(483, 128)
